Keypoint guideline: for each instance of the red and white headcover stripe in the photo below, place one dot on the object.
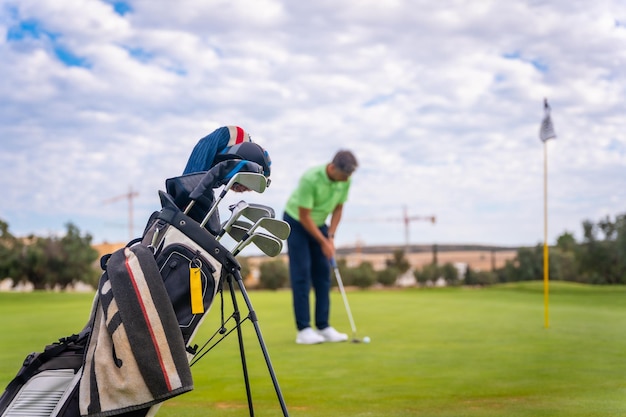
(237, 136)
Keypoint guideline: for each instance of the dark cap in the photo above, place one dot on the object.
(345, 161)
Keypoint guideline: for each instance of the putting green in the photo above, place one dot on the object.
(436, 352)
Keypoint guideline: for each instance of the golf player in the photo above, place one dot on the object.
(321, 191)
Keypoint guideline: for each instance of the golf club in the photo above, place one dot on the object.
(239, 229)
(268, 244)
(227, 170)
(236, 212)
(250, 211)
(255, 211)
(278, 228)
(345, 300)
(250, 180)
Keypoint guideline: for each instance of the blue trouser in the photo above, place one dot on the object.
(308, 266)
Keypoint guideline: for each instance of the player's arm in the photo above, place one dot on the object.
(335, 218)
(328, 248)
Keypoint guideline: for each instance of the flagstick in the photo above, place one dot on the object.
(546, 274)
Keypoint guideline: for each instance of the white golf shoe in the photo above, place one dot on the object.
(331, 335)
(308, 337)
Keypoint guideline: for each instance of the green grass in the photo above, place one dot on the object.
(449, 352)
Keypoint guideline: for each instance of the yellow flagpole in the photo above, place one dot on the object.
(546, 274)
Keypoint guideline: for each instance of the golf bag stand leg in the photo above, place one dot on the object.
(255, 322)
(237, 317)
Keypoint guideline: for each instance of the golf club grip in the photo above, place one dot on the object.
(206, 182)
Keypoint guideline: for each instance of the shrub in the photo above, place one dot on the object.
(387, 276)
(274, 274)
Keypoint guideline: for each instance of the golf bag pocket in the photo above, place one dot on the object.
(191, 262)
(46, 385)
(188, 280)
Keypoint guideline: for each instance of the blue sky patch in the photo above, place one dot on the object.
(378, 100)
(70, 59)
(32, 29)
(616, 146)
(498, 78)
(140, 54)
(25, 29)
(512, 55)
(537, 63)
(120, 7)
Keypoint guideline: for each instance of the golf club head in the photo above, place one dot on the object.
(268, 223)
(278, 228)
(254, 212)
(239, 230)
(268, 244)
(236, 212)
(251, 180)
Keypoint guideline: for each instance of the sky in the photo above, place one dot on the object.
(441, 102)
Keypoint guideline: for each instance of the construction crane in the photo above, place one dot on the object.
(127, 196)
(406, 219)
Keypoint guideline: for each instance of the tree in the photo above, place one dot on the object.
(529, 263)
(428, 272)
(599, 263)
(76, 257)
(566, 242)
(274, 274)
(34, 263)
(46, 262)
(398, 261)
(363, 275)
(245, 267)
(388, 276)
(479, 277)
(10, 250)
(450, 273)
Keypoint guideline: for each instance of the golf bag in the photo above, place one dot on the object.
(162, 284)
(130, 357)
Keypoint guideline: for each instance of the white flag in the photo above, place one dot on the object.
(546, 131)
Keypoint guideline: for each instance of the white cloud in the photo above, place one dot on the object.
(441, 102)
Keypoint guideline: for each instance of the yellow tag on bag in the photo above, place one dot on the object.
(195, 288)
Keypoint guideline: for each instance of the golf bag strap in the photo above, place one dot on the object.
(105, 258)
(34, 361)
(173, 216)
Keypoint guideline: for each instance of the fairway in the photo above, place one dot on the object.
(447, 352)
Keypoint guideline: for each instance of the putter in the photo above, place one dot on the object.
(345, 300)
(268, 244)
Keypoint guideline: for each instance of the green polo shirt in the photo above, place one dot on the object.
(317, 192)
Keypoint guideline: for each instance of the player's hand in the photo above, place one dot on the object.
(328, 248)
